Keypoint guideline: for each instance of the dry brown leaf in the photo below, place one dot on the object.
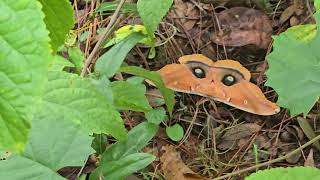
(173, 167)
(184, 10)
(241, 131)
(287, 13)
(310, 160)
(242, 26)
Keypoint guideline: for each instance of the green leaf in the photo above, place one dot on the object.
(296, 173)
(175, 132)
(151, 17)
(59, 63)
(138, 138)
(76, 57)
(53, 143)
(129, 96)
(59, 20)
(156, 79)
(294, 70)
(109, 63)
(304, 33)
(135, 80)
(79, 100)
(156, 116)
(100, 143)
(123, 167)
(126, 31)
(112, 6)
(103, 86)
(24, 58)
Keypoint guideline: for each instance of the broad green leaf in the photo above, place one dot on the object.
(127, 96)
(150, 16)
(79, 101)
(156, 116)
(126, 31)
(138, 138)
(24, 59)
(112, 6)
(123, 167)
(53, 143)
(103, 86)
(175, 132)
(294, 70)
(304, 33)
(109, 63)
(76, 56)
(156, 79)
(59, 20)
(280, 173)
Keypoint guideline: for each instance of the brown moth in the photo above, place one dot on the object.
(226, 81)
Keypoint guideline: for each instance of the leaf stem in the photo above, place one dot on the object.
(106, 33)
(270, 162)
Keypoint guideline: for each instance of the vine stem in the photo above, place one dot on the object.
(106, 33)
(270, 162)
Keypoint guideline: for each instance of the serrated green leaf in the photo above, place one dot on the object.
(59, 20)
(156, 116)
(296, 173)
(123, 167)
(76, 57)
(175, 132)
(79, 100)
(127, 96)
(156, 79)
(53, 143)
(138, 138)
(294, 70)
(24, 58)
(103, 86)
(109, 63)
(151, 17)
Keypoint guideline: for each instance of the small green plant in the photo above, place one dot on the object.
(294, 66)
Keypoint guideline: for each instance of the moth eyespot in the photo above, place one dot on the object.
(228, 80)
(199, 72)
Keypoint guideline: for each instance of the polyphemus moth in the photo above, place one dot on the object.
(226, 81)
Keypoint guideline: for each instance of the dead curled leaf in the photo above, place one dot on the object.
(173, 167)
(242, 26)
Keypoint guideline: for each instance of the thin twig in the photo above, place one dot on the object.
(270, 162)
(102, 38)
